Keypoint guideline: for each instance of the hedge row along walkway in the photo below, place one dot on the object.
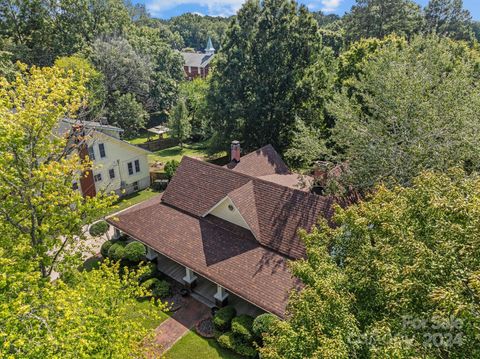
(175, 327)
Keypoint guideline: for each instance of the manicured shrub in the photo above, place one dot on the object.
(227, 340)
(151, 283)
(242, 326)
(116, 252)
(150, 272)
(99, 229)
(161, 289)
(263, 324)
(105, 247)
(170, 168)
(135, 251)
(223, 318)
(231, 341)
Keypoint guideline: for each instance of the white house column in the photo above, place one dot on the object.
(151, 254)
(117, 233)
(190, 278)
(221, 297)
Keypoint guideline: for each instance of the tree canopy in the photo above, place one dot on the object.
(272, 69)
(449, 18)
(412, 108)
(398, 277)
(42, 222)
(196, 29)
(37, 171)
(378, 18)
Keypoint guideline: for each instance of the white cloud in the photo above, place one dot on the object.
(330, 5)
(226, 7)
(215, 7)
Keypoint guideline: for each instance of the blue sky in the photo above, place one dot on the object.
(168, 8)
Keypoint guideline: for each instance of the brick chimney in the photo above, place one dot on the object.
(235, 151)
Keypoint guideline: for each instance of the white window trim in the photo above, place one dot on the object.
(133, 168)
(98, 174)
(100, 153)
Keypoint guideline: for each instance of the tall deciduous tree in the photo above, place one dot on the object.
(126, 113)
(321, 322)
(95, 84)
(272, 70)
(179, 123)
(378, 18)
(410, 255)
(41, 31)
(449, 18)
(125, 70)
(413, 108)
(408, 270)
(406, 283)
(37, 168)
(88, 316)
(194, 92)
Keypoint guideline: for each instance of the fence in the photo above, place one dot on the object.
(159, 144)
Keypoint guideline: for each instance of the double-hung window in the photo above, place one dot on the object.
(101, 149)
(111, 173)
(133, 165)
(97, 177)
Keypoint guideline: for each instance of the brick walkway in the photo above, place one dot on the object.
(175, 327)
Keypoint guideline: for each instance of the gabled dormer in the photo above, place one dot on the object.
(226, 210)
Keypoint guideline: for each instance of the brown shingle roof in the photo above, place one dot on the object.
(262, 162)
(222, 252)
(274, 213)
(197, 186)
(249, 264)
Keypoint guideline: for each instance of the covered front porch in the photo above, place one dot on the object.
(202, 289)
(205, 290)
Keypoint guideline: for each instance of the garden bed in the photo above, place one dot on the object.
(205, 328)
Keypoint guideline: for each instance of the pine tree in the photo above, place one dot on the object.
(449, 18)
(378, 18)
(270, 72)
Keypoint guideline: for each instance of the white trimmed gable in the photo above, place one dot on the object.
(226, 210)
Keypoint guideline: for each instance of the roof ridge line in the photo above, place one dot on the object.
(254, 178)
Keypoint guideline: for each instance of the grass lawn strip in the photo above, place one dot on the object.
(191, 345)
(132, 199)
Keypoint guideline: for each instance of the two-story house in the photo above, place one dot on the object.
(117, 165)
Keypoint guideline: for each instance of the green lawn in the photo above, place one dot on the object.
(133, 198)
(142, 137)
(198, 150)
(194, 346)
(147, 321)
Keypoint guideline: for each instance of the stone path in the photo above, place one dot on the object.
(175, 327)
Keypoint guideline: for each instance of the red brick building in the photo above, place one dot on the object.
(197, 64)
